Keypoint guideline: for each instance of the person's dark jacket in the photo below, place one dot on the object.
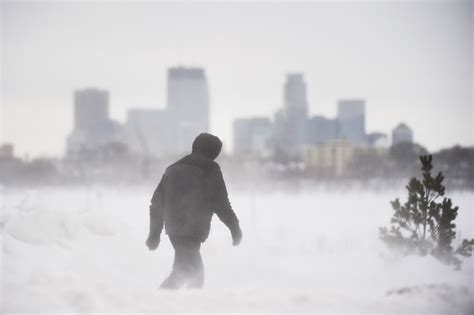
(190, 192)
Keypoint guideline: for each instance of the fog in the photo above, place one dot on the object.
(323, 110)
(408, 59)
(83, 250)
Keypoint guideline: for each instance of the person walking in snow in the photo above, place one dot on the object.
(189, 193)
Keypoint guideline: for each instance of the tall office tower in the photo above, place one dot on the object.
(351, 116)
(188, 105)
(295, 94)
(252, 136)
(289, 134)
(91, 108)
(92, 125)
(296, 108)
(402, 133)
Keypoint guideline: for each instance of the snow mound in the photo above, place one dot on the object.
(83, 251)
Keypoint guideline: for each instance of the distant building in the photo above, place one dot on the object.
(252, 136)
(296, 107)
(147, 132)
(7, 151)
(295, 100)
(281, 140)
(377, 139)
(332, 158)
(351, 116)
(91, 108)
(92, 125)
(188, 105)
(402, 133)
(289, 134)
(321, 130)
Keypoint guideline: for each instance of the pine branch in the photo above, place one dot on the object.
(421, 212)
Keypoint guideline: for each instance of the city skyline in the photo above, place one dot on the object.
(414, 66)
(271, 116)
(292, 130)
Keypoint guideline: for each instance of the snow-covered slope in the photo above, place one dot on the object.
(83, 250)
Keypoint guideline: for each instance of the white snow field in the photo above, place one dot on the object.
(83, 251)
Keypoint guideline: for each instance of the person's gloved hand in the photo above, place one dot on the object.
(236, 236)
(152, 242)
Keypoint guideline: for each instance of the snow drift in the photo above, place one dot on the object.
(83, 250)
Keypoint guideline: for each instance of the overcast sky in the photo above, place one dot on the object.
(412, 62)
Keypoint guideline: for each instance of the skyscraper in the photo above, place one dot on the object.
(91, 108)
(188, 105)
(295, 100)
(351, 116)
(291, 121)
(402, 133)
(92, 124)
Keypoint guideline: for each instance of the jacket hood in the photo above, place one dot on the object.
(207, 145)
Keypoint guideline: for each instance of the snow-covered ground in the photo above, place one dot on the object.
(83, 250)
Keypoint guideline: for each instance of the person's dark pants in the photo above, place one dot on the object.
(188, 268)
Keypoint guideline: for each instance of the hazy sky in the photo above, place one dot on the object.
(412, 62)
